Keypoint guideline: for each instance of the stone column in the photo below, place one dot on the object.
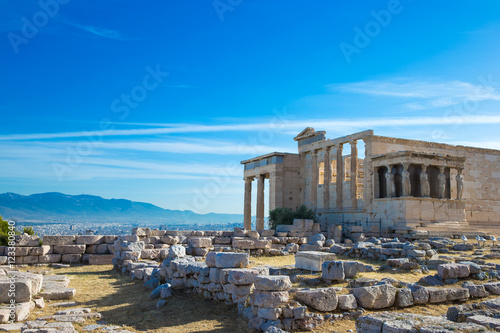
(259, 222)
(247, 207)
(354, 174)
(406, 180)
(314, 180)
(389, 181)
(326, 178)
(425, 188)
(303, 173)
(340, 176)
(460, 184)
(441, 183)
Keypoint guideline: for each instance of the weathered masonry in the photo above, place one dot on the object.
(394, 184)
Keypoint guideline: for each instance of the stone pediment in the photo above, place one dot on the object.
(307, 133)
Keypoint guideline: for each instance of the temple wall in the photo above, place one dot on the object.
(291, 182)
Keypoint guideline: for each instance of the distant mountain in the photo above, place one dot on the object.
(54, 206)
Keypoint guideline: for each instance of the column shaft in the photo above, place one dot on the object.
(326, 178)
(259, 222)
(354, 175)
(314, 180)
(340, 176)
(247, 208)
(303, 174)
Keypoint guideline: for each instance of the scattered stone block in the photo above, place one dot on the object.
(453, 271)
(100, 259)
(322, 299)
(347, 302)
(477, 291)
(49, 258)
(269, 313)
(69, 249)
(493, 287)
(40, 250)
(71, 258)
(312, 260)
(492, 323)
(23, 289)
(404, 298)
(242, 276)
(375, 297)
(200, 242)
(231, 260)
(333, 271)
(59, 240)
(273, 282)
(27, 240)
(270, 299)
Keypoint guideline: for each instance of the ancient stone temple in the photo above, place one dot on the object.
(380, 183)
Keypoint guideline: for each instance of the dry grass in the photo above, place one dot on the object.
(277, 261)
(124, 302)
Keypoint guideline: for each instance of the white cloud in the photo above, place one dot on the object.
(294, 126)
(429, 94)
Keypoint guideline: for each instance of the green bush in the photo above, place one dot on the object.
(4, 232)
(29, 231)
(285, 216)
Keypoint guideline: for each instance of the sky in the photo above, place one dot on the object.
(159, 101)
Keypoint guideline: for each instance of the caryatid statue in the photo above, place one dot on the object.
(389, 180)
(405, 175)
(441, 183)
(460, 184)
(424, 182)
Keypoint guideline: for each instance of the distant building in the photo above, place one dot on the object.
(396, 184)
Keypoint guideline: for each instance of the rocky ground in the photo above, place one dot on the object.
(459, 293)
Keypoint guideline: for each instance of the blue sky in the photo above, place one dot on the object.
(160, 101)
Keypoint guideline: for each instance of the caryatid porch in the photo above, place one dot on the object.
(414, 188)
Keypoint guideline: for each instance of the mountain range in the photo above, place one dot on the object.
(52, 207)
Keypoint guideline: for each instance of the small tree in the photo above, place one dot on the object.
(285, 216)
(4, 232)
(29, 231)
(280, 216)
(305, 213)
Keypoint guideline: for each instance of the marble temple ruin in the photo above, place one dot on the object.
(395, 185)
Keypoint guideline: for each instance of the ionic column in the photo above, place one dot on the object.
(326, 178)
(259, 222)
(354, 175)
(303, 174)
(340, 176)
(247, 207)
(389, 181)
(460, 184)
(314, 180)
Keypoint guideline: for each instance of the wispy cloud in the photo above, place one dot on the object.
(425, 94)
(192, 148)
(286, 127)
(18, 160)
(97, 31)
